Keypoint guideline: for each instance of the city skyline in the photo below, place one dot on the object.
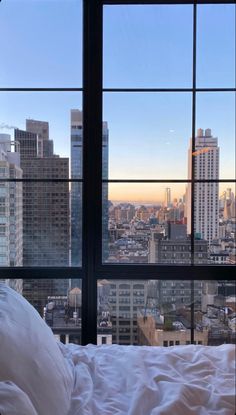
(128, 192)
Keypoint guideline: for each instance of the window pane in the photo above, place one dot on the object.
(146, 223)
(216, 316)
(58, 301)
(148, 46)
(40, 123)
(41, 43)
(36, 225)
(148, 135)
(216, 45)
(215, 135)
(214, 222)
(144, 312)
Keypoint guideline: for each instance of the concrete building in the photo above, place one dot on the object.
(76, 188)
(125, 298)
(11, 210)
(46, 215)
(206, 195)
(41, 128)
(177, 250)
(150, 333)
(63, 315)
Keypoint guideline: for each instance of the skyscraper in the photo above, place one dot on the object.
(41, 128)
(76, 188)
(11, 215)
(105, 203)
(167, 199)
(206, 195)
(46, 236)
(46, 219)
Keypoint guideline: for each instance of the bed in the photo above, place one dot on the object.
(43, 377)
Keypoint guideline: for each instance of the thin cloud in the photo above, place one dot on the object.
(4, 126)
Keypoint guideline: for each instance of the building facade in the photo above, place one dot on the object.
(11, 209)
(76, 188)
(46, 214)
(206, 195)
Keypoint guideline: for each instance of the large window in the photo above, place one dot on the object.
(117, 169)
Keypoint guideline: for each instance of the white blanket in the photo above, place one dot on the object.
(180, 380)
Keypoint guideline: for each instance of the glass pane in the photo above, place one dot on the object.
(58, 301)
(40, 124)
(216, 45)
(148, 135)
(148, 46)
(216, 314)
(146, 223)
(214, 221)
(36, 225)
(41, 43)
(215, 136)
(144, 312)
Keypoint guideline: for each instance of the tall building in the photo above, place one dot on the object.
(167, 199)
(125, 299)
(11, 214)
(41, 128)
(105, 202)
(76, 188)
(228, 204)
(46, 219)
(206, 195)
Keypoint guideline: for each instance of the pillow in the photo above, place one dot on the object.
(13, 401)
(30, 356)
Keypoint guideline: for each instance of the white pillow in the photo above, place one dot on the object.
(13, 401)
(30, 356)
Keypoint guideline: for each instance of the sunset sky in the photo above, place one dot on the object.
(144, 46)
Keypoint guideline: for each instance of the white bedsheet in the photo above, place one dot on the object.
(180, 380)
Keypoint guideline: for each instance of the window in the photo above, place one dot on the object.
(126, 204)
(104, 340)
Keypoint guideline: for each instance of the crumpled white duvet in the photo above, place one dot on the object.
(180, 380)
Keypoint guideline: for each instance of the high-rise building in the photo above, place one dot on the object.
(28, 144)
(105, 202)
(41, 128)
(228, 204)
(76, 188)
(125, 298)
(11, 214)
(206, 195)
(46, 218)
(167, 199)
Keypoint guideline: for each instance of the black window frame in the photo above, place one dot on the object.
(93, 268)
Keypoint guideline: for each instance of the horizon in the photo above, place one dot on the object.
(124, 192)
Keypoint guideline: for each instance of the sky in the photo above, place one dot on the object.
(144, 46)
